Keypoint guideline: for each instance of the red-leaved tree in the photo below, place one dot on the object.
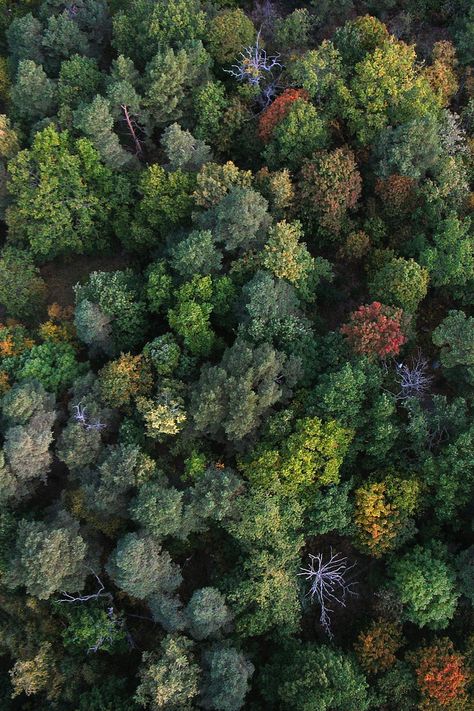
(375, 330)
(441, 675)
(277, 111)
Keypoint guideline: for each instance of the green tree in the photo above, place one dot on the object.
(400, 282)
(96, 122)
(22, 289)
(24, 40)
(66, 208)
(425, 583)
(228, 33)
(141, 568)
(449, 257)
(165, 202)
(225, 682)
(239, 220)
(78, 82)
(118, 296)
(307, 677)
(183, 150)
(143, 27)
(48, 558)
(169, 679)
(387, 89)
(231, 398)
(62, 37)
(207, 613)
(302, 132)
(29, 414)
(196, 254)
(52, 363)
(33, 94)
(455, 337)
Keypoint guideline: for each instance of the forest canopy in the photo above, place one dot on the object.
(236, 355)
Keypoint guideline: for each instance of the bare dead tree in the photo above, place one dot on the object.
(80, 415)
(413, 378)
(329, 584)
(133, 129)
(67, 597)
(254, 65)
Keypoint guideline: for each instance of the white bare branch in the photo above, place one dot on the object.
(328, 584)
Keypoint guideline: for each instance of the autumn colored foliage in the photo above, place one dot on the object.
(277, 111)
(441, 675)
(330, 185)
(396, 193)
(377, 646)
(375, 330)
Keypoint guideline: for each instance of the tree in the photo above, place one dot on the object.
(209, 104)
(214, 181)
(62, 37)
(400, 282)
(441, 675)
(359, 37)
(285, 255)
(96, 122)
(425, 583)
(169, 680)
(450, 257)
(230, 399)
(310, 457)
(297, 136)
(307, 677)
(118, 296)
(169, 78)
(124, 379)
(33, 94)
(164, 414)
(79, 81)
(225, 682)
(53, 364)
(24, 40)
(377, 646)
(22, 289)
(465, 566)
(9, 143)
(387, 89)
(455, 337)
(294, 30)
(229, 32)
(47, 558)
(143, 27)
(93, 327)
(382, 513)
(121, 469)
(163, 353)
(320, 72)
(66, 208)
(196, 254)
(183, 150)
(411, 150)
(239, 219)
(329, 186)
(271, 312)
(207, 613)
(29, 415)
(140, 568)
(165, 202)
(375, 330)
(277, 111)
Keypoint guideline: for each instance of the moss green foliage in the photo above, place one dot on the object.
(236, 355)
